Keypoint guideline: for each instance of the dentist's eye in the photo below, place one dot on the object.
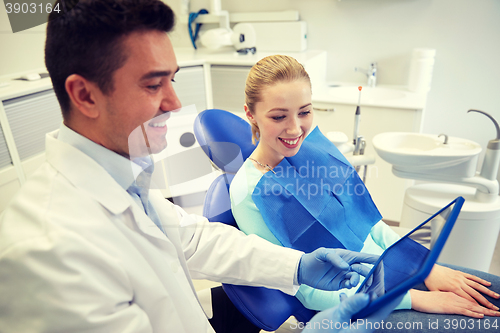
(154, 87)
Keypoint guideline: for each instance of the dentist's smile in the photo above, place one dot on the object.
(159, 123)
(162, 124)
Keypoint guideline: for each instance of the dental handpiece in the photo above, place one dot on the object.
(357, 118)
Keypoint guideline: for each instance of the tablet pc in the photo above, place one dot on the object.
(432, 233)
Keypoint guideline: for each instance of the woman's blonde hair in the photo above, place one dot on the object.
(267, 72)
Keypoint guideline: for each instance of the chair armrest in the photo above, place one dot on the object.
(266, 308)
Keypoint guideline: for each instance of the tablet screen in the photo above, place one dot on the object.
(406, 257)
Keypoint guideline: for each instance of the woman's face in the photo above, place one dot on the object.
(284, 117)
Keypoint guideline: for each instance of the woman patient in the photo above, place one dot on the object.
(278, 106)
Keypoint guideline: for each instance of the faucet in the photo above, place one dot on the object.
(370, 73)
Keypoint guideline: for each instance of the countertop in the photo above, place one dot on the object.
(227, 56)
(407, 100)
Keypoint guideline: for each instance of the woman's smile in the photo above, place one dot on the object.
(291, 143)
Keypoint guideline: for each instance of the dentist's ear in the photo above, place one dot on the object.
(82, 94)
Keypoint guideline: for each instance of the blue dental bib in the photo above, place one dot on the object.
(316, 199)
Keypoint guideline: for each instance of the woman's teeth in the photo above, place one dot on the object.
(162, 124)
(291, 142)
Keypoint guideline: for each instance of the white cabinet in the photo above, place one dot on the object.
(386, 189)
(190, 86)
(228, 87)
(28, 110)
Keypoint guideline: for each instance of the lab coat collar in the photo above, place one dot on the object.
(85, 173)
(120, 168)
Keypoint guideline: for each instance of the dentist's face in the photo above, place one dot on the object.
(143, 96)
(284, 117)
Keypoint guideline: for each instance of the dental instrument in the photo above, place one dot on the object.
(357, 118)
(359, 141)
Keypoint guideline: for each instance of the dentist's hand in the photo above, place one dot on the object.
(333, 269)
(375, 287)
(338, 319)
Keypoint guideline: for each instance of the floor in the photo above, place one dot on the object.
(286, 327)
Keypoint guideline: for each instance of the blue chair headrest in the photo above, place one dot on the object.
(224, 137)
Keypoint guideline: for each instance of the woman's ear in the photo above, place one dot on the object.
(83, 94)
(249, 115)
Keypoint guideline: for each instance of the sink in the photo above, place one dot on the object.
(368, 94)
(426, 153)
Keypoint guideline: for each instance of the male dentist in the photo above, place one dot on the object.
(85, 246)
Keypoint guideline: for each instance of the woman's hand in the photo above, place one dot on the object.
(462, 284)
(447, 303)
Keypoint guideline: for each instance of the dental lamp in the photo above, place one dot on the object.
(242, 36)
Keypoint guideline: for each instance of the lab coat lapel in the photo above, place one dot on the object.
(171, 224)
(85, 173)
(147, 227)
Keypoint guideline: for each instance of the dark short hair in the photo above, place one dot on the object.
(86, 38)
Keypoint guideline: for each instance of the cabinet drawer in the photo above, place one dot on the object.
(190, 87)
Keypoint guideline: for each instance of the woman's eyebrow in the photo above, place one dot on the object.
(286, 110)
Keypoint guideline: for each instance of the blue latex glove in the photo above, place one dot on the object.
(338, 319)
(333, 269)
(376, 287)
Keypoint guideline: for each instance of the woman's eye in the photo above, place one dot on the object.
(278, 117)
(305, 113)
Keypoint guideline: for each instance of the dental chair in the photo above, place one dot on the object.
(227, 141)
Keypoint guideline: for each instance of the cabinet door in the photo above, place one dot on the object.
(30, 118)
(190, 87)
(228, 85)
(5, 159)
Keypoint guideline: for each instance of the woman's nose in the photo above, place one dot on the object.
(293, 126)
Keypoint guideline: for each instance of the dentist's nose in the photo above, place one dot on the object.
(170, 101)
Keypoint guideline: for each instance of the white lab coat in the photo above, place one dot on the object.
(78, 255)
